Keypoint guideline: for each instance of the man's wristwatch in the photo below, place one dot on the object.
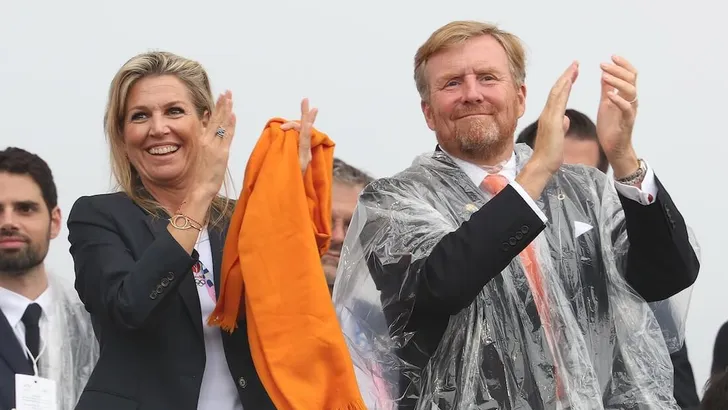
(636, 177)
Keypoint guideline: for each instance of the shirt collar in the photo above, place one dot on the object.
(477, 173)
(13, 305)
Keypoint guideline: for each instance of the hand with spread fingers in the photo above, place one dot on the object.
(617, 113)
(304, 126)
(214, 149)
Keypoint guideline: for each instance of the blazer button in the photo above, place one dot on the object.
(524, 229)
(242, 382)
(160, 289)
(165, 282)
(512, 241)
(505, 247)
(519, 236)
(153, 295)
(170, 276)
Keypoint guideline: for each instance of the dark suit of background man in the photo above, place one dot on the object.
(582, 147)
(39, 311)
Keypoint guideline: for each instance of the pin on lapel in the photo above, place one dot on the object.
(471, 208)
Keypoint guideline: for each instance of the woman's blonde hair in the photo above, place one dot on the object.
(156, 63)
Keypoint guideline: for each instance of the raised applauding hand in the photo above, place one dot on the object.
(548, 150)
(615, 119)
(214, 149)
(304, 127)
(616, 116)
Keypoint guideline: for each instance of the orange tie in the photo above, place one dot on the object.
(494, 184)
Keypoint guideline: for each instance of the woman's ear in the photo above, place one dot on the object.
(205, 118)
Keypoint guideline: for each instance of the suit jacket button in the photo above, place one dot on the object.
(524, 229)
(519, 236)
(505, 247)
(512, 241)
(160, 289)
(170, 275)
(153, 295)
(242, 382)
(165, 282)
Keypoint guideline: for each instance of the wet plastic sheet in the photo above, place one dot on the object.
(73, 344)
(613, 347)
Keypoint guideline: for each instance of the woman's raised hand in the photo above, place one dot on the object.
(304, 127)
(214, 149)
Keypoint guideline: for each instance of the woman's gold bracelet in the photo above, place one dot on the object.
(184, 222)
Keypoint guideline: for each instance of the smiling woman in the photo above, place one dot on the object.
(159, 124)
(148, 258)
(159, 105)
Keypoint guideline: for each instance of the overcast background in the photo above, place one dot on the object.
(354, 61)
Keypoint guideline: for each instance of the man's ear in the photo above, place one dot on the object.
(427, 112)
(521, 95)
(56, 221)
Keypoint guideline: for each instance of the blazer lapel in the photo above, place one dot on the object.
(187, 289)
(10, 349)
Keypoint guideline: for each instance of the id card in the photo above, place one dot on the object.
(34, 393)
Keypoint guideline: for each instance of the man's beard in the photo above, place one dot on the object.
(17, 263)
(481, 138)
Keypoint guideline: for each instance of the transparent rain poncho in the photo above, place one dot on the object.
(613, 348)
(72, 350)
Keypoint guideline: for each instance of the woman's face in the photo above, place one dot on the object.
(161, 126)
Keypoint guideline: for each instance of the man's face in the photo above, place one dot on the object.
(581, 151)
(344, 198)
(474, 103)
(26, 225)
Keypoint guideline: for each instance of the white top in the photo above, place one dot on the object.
(218, 390)
(13, 306)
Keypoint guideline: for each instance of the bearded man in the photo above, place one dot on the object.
(45, 332)
(508, 279)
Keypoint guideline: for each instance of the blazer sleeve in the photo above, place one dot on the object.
(425, 276)
(465, 260)
(661, 262)
(109, 281)
(450, 276)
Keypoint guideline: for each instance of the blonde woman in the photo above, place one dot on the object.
(134, 249)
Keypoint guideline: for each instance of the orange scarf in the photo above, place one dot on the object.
(272, 261)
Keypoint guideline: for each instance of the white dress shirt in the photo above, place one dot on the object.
(218, 390)
(13, 306)
(645, 196)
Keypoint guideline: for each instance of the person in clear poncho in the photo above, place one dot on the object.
(505, 279)
(76, 345)
(44, 328)
(69, 347)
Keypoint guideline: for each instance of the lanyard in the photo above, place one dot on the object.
(34, 359)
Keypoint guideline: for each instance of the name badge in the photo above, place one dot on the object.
(34, 393)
